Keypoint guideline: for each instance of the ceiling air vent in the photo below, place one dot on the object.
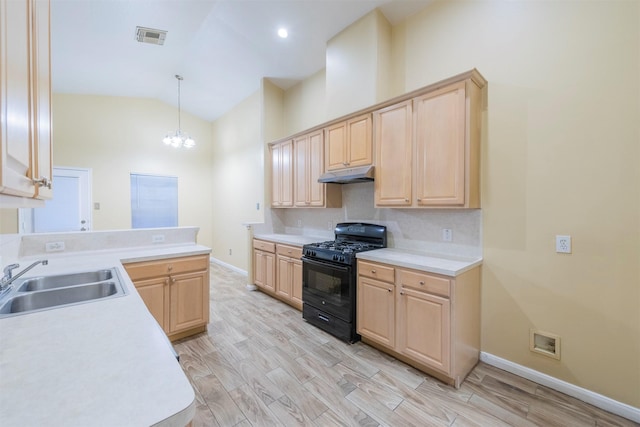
(150, 35)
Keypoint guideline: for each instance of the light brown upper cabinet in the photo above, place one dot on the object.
(282, 174)
(349, 143)
(25, 99)
(428, 149)
(308, 159)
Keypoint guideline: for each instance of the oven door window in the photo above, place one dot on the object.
(328, 282)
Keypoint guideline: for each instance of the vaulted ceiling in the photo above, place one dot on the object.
(222, 48)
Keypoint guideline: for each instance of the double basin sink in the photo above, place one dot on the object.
(48, 292)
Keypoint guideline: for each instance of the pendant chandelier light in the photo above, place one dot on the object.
(178, 138)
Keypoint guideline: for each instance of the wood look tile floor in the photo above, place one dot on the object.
(261, 364)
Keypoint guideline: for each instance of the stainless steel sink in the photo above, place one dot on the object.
(49, 292)
(62, 296)
(63, 280)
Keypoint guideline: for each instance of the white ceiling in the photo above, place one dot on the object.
(222, 48)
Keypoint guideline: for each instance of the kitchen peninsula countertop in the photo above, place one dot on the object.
(105, 362)
(430, 263)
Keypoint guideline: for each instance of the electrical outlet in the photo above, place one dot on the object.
(54, 247)
(258, 206)
(230, 252)
(299, 223)
(544, 343)
(447, 235)
(157, 238)
(329, 225)
(563, 244)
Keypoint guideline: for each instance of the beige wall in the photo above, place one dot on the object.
(238, 179)
(358, 65)
(115, 136)
(560, 156)
(305, 104)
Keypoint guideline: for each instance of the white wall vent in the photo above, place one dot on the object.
(150, 35)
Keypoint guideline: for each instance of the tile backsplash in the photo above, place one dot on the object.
(411, 229)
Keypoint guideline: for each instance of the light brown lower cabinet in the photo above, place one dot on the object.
(429, 321)
(176, 292)
(264, 265)
(278, 271)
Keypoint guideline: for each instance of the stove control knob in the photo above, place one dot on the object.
(342, 258)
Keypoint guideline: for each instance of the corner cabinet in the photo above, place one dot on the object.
(25, 100)
(176, 292)
(429, 321)
(349, 143)
(433, 139)
(277, 271)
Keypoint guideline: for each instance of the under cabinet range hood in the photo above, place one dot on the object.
(348, 176)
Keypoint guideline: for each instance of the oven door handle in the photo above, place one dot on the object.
(325, 264)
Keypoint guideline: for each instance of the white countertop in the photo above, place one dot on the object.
(428, 262)
(439, 264)
(101, 363)
(290, 239)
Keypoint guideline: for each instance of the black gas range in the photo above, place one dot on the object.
(329, 277)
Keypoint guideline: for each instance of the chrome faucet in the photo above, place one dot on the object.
(8, 277)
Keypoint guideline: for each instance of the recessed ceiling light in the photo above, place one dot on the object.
(283, 33)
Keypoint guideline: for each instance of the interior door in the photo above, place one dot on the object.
(69, 210)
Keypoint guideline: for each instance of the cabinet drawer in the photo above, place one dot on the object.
(264, 246)
(424, 282)
(290, 251)
(148, 269)
(376, 271)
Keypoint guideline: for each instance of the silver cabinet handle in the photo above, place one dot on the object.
(373, 272)
(43, 182)
(421, 282)
(389, 290)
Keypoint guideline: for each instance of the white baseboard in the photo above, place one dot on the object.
(229, 266)
(595, 399)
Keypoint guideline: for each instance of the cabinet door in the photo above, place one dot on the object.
(43, 168)
(376, 311)
(296, 284)
(15, 109)
(359, 152)
(301, 171)
(284, 277)
(282, 174)
(336, 146)
(309, 164)
(188, 308)
(155, 294)
(315, 168)
(393, 140)
(264, 270)
(424, 328)
(440, 147)
(258, 268)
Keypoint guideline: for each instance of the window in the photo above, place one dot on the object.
(154, 201)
